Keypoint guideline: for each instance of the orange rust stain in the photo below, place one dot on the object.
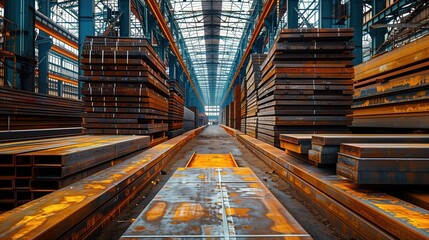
(233, 194)
(31, 222)
(242, 171)
(139, 229)
(156, 211)
(247, 227)
(178, 175)
(414, 218)
(254, 185)
(281, 224)
(202, 176)
(188, 211)
(250, 179)
(362, 194)
(95, 186)
(239, 212)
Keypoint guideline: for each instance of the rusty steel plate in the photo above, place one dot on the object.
(401, 219)
(221, 206)
(211, 160)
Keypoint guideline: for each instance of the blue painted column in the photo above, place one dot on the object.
(44, 43)
(60, 88)
(356, 23)
(124, 19)
(292, 14)
(377, 34)
(22, 13)
(86, 28)
(325, 14)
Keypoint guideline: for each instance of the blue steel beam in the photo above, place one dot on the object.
(378, 34)
(325, 13)
(47, 25)
(124, 19)
(86, 28)
(386, 14)
(356, 23)
(22, 13)
(44, 43)
(292, 13)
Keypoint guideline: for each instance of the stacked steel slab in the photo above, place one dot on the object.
(176, 103)
(31, 169)
(375, 163)
(237, 107)
(325, 147)
(306, 83)
(196, 115)
(296, 145)
(231, 120)
(22, 110)
(253, 78)
(243, 100)
(203, 119)
(125, 91)
(392, 90)
(188, 119)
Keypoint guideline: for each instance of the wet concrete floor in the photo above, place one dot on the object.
(214, 139)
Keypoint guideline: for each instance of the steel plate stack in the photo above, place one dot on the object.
(381, 163)
(392, 90)
(243, 100)
(237, 107)
(253, 77)
(306, 83)
(125, 87)
(176, 103)
(296, 145)
(22, 110)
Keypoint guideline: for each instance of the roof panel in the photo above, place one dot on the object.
(212, 30)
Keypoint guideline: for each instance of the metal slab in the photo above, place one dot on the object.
(211, 160)
(201, 208)
(395, 216)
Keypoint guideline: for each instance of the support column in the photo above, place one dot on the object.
(378, 34)
(172, 67)
(356, 23)
(292, 14)
(124, 19)
(325, 13)
(44, 43)
(60, 88)
(86, 28)
(22, 13)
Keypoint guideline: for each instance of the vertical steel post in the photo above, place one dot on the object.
(356, 23)
(325, 14)
(86, 28)
(292, 14)
(124, 19)
(44, 43)
(378, 34)
(22, 13)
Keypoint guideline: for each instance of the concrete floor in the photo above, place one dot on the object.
(215, 140)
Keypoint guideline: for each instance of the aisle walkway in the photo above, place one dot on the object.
(215, 139)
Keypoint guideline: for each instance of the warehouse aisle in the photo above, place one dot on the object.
(214, 139)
